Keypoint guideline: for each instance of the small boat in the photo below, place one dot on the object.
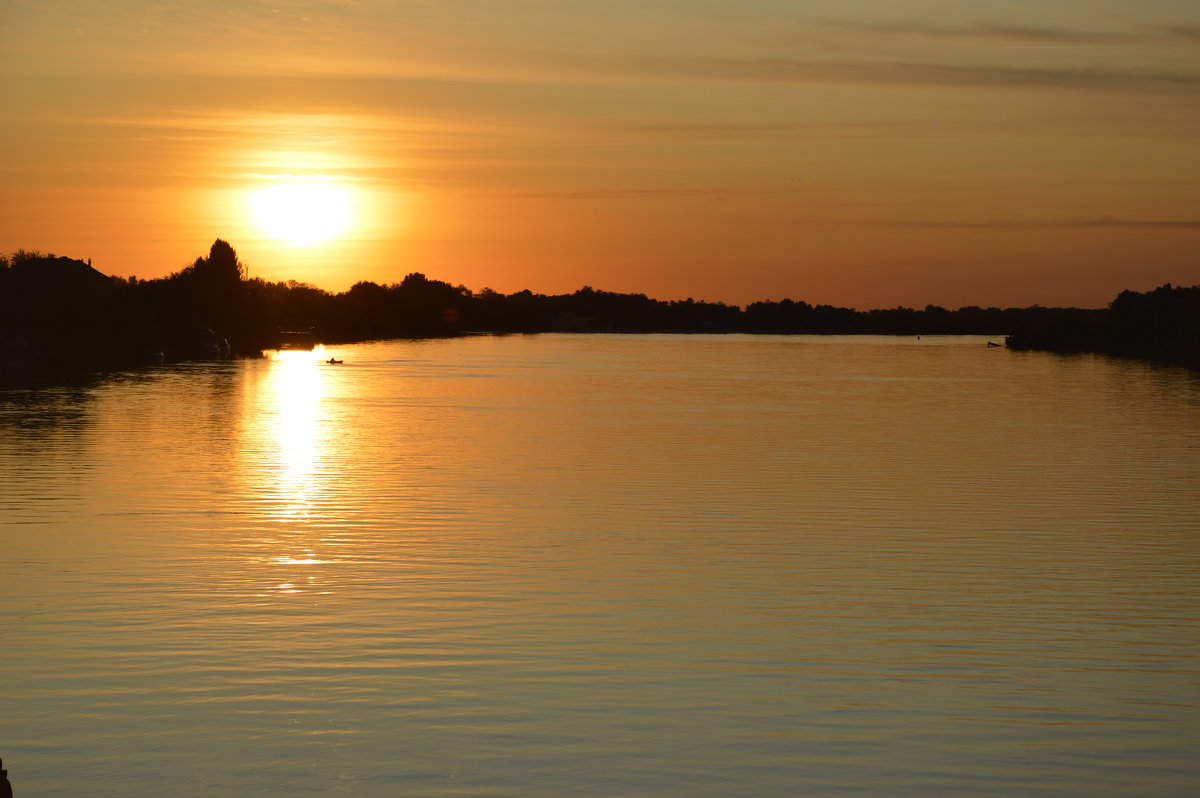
(993, 343)
(334, 361)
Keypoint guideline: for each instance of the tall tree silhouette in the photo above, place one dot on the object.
(222, 265)
(216, 284)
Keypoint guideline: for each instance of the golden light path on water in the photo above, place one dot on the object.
(291, 408)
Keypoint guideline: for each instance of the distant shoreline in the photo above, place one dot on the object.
(61, 315)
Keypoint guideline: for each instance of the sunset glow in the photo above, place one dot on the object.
(591, 399)
(302, 212)
(856, 154)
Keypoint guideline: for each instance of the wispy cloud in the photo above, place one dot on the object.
(1046, 224)
(1029, 34)
(1170, 224)
(1185, 33)
(899, 73)
(643, 193)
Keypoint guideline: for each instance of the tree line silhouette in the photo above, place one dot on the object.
(62, 310)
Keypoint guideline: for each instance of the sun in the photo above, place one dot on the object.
(302, 212)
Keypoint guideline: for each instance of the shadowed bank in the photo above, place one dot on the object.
(59, 315)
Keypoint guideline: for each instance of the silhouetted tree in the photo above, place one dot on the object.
(216, 284)
(72, 311)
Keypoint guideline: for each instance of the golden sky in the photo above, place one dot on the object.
(865, 152)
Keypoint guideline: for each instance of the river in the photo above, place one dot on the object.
(601, 565)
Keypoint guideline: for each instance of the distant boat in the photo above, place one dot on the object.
(993, 343)
(334, 361)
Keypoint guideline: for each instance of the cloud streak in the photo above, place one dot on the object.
(902, 73)
(1050, 224)
(1027, 34)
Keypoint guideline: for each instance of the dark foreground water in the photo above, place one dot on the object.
(605, 566)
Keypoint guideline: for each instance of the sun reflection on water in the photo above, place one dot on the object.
(296, 561)
(292, 471)
(295, 393)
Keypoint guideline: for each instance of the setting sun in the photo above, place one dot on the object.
(302, 212)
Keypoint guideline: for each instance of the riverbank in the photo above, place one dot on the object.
(1162, 325)
(60, 314)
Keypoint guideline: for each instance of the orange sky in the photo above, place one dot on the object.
(952, 152)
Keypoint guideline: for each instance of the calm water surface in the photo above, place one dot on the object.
(602, 566)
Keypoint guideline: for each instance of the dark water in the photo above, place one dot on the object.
(601, 566)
